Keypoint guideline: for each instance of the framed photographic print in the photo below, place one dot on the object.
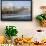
(16, 10)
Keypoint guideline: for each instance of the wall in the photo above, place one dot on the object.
(26, 27)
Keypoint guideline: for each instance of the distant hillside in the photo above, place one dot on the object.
(15, 10)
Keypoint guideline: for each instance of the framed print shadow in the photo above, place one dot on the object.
(16, 10)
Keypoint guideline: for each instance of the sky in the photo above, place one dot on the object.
(16, 3)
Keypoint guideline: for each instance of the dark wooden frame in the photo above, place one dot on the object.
(16, 20)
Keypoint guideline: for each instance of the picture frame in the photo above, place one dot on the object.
(23, 12)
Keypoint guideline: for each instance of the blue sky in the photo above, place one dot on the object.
(16, 3)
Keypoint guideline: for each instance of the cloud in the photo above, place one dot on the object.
(7, 4)
(16, 3)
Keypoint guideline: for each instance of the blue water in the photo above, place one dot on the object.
(16, 0)
(16, 17)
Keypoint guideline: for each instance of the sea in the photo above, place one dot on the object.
(16, 17)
